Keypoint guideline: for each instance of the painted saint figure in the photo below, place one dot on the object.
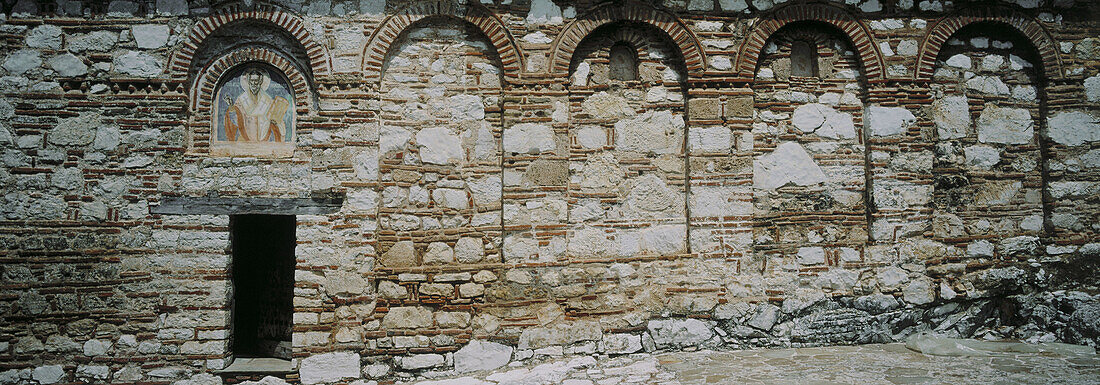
(255, 115)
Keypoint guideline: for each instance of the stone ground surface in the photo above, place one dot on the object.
(865, 364)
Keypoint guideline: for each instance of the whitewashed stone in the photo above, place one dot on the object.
(959, 61)
(988, 84)
(591, 137)
(983, 157)
(67, 65)
(789, 163)
(545, 12)
(363, 200)
(22, 61)
(451, 198)
(952, 116)
(658, 132)
(808, 118)
(329, 367)
(537, 37)
(150, 36)
(439, 146)
(620, 344)
(679, 333)
(1005, 125)
(887, 121)
(607, 106)
(407, 317)
(527, 138)
(486, 191)
(481, 355)
(44, 36)
(811, 255)
(138, 64)
(466, 107)
(664, 239)
(438, 252)
(1073, 128)
(580, 74)
(710, 139)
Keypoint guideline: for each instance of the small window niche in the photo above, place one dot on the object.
(623, 62)
(262, 274)
(803, 58)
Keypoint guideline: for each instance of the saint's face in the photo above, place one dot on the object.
(255, 79)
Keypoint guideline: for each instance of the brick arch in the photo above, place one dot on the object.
(182, 60)
(576, 31)
(754, 42)
(203, 94)
(374, 54)
(946, 27)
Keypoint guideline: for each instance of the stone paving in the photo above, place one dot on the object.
(964, 363)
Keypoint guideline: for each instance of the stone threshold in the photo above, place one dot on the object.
(264, 365)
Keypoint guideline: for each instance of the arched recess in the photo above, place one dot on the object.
(754, 42)
(182, 62)
(374, 55)
(203, 95)
(690, 48)
(946, 27)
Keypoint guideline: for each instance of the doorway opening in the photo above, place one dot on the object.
(263, 285)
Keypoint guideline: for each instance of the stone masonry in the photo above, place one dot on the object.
(476, 183)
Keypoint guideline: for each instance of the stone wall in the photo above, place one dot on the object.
(505, 198)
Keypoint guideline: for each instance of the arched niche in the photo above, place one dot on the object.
(989, 161)
(810, 153)
(439, 140)
(626, 156)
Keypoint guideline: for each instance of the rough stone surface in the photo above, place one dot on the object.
(789, 163)
(887, 121)
(481, 355)
(1005, 125)
(329, 367)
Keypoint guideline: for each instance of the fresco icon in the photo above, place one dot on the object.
(253, 114)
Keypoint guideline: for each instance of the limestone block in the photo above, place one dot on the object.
(679, 333)
(48, 374)
(823, 121)
(44, 36)
(959, 61)
(765, 317)
(439, 146)
(919, 292)
(407, 317)
(469, 250)
(102, 372)
(658, 132)
(438, 253)
(591, 137)
(739, 107)
(437, 289)
(419, 361)
(466, 107)
(76, 131)
(519, 248)
(329, 367)
(563, 333)
(987, 84)
(1073, 128)
(580, 74)
(96, 347)
(952, 117)
(344, 283)
(471, 290)
(67, 65)
(391, 290)
(651, 194)
(710, 139)
(891, 277)
(172, 7)
(22, 61)
(452, 319)
(451, 198)
(525, 138)
(620, 343)
(481, 355)
(811, 255)
(601, 172)
(789, 163)
(401, 254)
(362, 200)
(664, 239)
(1018, 245)
(983, 157)
(588, 242)
(996, 192)
(607, 106)
(150, 36)
(100, 41)
(887, 121)
(705, 108)
(139, 64)
(1005, 125)
(545, 172)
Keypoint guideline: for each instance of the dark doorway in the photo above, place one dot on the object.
(263, 284)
